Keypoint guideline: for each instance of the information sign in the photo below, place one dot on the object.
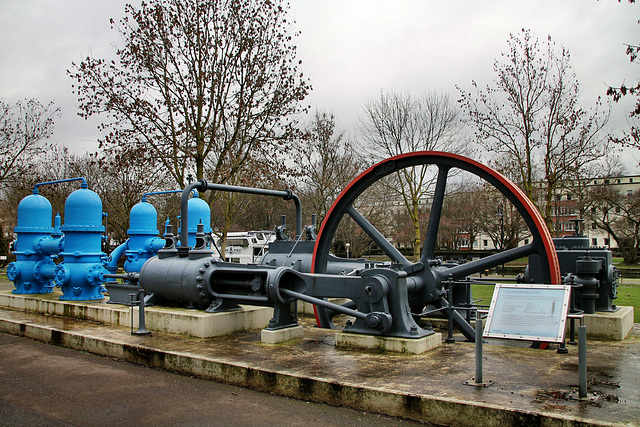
(528, 312)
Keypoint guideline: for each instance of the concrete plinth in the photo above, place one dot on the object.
(158, 319)
(398, 345)
(274, 336)
(608, 326)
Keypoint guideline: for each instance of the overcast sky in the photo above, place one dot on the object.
(350, 49)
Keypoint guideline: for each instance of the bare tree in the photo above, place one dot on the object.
(531, 116)
(618, 214)
(230, 209)
(24, 129)
(502, 222)
(198, 84)
(330, 162)
(39, 170)
(462, 217)
(121, 178)
(394, 124)
(632, 136)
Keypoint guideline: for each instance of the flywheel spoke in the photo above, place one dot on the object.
(377, 237)
(486, 263)
(436, 212)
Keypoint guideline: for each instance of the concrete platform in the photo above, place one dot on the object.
(195, 323)
(397, 345)
(612, 326)
(603, 326)
(269, 336)
(530, 387)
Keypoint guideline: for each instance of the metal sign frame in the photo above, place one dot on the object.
(528, 312)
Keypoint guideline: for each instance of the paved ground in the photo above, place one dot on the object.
(49, 385)
(530, 387)
(44, 385)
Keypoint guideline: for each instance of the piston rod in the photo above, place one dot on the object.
(322, 303)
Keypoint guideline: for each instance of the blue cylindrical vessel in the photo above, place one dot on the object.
(143, 233)
(81, 274)
(199, 212)
(37, 242)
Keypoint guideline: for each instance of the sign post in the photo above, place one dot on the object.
(528, 312)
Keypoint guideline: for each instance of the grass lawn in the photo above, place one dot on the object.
(483, 292)
(628, 295)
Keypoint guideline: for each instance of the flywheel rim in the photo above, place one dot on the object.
(542, 241)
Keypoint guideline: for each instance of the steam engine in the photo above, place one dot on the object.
(385, 298)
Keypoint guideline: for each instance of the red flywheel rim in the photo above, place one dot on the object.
(509, 189)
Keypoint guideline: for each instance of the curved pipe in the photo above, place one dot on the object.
(83, 185)
(202, 185)
(153, 193)
(115, 255)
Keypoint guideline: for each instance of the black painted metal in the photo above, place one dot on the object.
(436, 213)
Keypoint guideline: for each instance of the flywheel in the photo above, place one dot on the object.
(428, 271)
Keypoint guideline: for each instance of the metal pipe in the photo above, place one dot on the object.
(83, 185)
(582, 361)
(285, 194)
(153, 193)
(478, 348)
(115, 255)
(449, 338)
(572, 331)
(202, 185)
(237, 297)
(131, 277)
(323, 303)
(142, 326)
(477, 280)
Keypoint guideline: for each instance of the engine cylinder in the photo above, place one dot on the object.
(178, 279)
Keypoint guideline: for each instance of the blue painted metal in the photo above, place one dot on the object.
(152, 193)
(199, 212)
(143, 241)
(37, 244)
(143, 234)
(83, 185)
(81, 274)
(114, 256)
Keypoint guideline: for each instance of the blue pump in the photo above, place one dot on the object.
(143, 242)
(199, 213)
(143, 233)
(81, 275)
(36, 245)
